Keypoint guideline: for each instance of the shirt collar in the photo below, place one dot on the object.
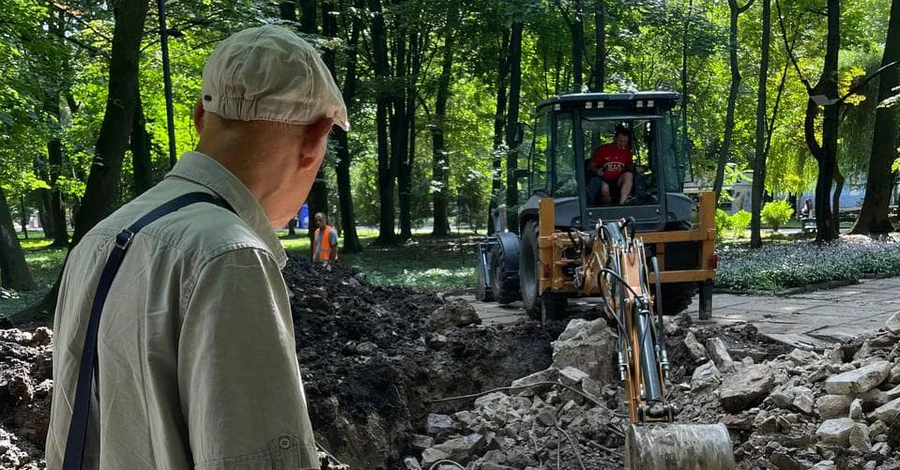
(201, 169)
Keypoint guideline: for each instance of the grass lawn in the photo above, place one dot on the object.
(444, 264)
(44, 262)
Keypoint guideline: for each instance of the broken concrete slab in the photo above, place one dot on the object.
(716, 350)
(859, 439)
(802, 357)
(697, 351)
(804, 399)
(571, 376)
(438, 423)
(833, 406)
(528, 383)
(460, 449)
(893, 323)
(836, 431)
(858, 380)
(746, 388)
(705, 376)
(587, 346)
(419, 442)
(887, 412)
(458, 313)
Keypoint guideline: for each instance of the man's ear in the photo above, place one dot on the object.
(199, 112)
(312, 144)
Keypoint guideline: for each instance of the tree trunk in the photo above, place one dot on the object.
(873, 217)
(386, 173)
(440, 160)
(759, 162)
(512, 119)
(342, 169)
(578, 46)
(23, 217)
(826, 154)
(140, 150)
(415, 66)
(836, 197)
(400, 132)
(58, 228)
(309, 18)
(600, 57)
(725, 151)
(102, 192)
(44, 213)
(14, 272)
(499, 119)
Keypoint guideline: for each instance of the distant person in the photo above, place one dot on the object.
(613, 165)
(807, 210)
(325, 246)
(195, 362)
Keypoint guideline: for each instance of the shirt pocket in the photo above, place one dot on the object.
(284, 453)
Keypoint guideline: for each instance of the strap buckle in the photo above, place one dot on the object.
(124, 238)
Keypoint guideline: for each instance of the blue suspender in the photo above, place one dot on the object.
(78, 426)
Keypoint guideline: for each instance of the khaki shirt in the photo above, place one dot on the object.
(197, 357)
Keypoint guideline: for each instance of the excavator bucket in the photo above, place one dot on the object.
(678, 447)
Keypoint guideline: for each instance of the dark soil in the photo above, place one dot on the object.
(365, 404)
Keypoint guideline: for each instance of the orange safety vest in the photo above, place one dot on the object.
(325, 251)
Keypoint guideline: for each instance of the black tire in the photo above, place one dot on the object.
(546, 306)
(553, 306)
(677, 296)
(505, 284)
(482, 293)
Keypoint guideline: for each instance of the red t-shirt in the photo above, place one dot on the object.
(613, 160)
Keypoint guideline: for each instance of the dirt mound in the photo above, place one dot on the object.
(370, 360)
(25, 386)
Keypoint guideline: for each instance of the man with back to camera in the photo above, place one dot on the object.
(614, 165)
(195, 363)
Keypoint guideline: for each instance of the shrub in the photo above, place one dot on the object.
(723, 222)
(783, 266)
(740, 220)
(777, 213)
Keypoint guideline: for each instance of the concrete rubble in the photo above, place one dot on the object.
(786, 409)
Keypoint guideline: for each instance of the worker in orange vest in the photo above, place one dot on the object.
(325, 240)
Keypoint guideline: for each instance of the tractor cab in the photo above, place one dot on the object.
(567, 132)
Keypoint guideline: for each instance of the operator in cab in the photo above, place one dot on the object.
(613, 166)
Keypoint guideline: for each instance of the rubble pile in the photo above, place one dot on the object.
(785, 408)
(25, 385)
(559, 417)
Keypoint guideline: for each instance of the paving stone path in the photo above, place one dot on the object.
(812, 319)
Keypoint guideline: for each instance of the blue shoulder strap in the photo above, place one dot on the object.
(78, 426)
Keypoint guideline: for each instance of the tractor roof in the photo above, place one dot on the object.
(659, 99)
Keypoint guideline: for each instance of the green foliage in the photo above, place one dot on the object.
(740, 220)
(777, 213)
(775, 267)
(723, 222)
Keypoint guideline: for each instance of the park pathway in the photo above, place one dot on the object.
(811, 319)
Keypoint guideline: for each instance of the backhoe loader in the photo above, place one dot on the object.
(642, 259)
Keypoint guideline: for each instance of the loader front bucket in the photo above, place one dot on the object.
(678, 447)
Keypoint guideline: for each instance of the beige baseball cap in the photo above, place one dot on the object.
(268, 73)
